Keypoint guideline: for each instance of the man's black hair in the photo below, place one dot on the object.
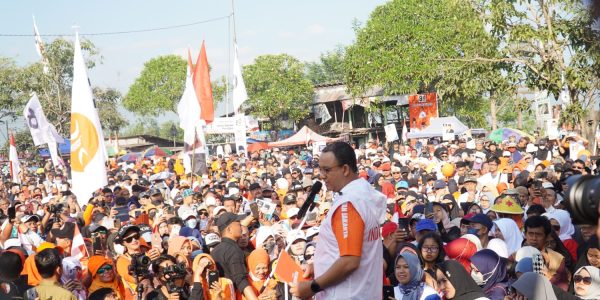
(538, 221)
(535, 209)
(47, 261)
(175, 220)
(10, 266)
(343, 153)
(494, 159)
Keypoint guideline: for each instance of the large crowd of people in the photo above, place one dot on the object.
(465, 219)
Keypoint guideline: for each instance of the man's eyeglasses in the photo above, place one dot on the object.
(131, 238)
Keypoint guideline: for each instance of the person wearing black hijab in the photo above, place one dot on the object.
(456, 284)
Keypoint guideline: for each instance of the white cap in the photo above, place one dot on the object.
(526, 251)
(233, 191)
(295, 235)
(312, 231)
(262, 234)
(531, 148)
(212, 239)
(210, 201)
(282, 183)
(218, 209)
(505, 153)
(253, 170)
(188, 213)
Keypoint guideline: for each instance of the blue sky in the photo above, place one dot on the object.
(304, 29)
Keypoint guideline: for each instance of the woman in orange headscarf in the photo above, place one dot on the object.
(203, 263)
(103, 274)
(258, 271)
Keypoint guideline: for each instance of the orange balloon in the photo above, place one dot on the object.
(448, 170)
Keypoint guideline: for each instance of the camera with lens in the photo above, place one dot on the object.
(583, 198)
(55, 208)
(139, 265)
(172, 273)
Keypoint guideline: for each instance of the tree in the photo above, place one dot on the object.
(165, 130)
(107, 102)
(10, 93)
(329, 68)
(159, 86)
(414, 46)
(53, 88)
(144, 125)
(219, 89)
(278, 89)
(553, 46)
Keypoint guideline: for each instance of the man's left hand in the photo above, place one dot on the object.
(301, 289)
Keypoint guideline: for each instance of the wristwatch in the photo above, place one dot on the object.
(315, 287)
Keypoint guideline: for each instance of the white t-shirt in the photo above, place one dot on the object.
(494, 180)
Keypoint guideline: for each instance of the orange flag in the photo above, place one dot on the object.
(201, 78)
(287, 269)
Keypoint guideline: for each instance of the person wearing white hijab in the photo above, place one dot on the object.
(498, 246)
(534, 286)
(565, 234)
(587, 282)
(508, 230)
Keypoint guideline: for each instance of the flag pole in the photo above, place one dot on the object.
(193, 155)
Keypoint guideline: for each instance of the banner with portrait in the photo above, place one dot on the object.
(421, 108)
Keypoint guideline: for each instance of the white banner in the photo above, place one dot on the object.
(391, 134)
(41, 130)
(88, 152)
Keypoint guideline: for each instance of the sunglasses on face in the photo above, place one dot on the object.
(104, 269)
(586, 280)
(308, 256)
(131, 238)
(203, 213)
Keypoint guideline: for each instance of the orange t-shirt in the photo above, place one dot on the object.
(346, 220)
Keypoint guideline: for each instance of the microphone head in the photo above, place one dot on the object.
(316, 187)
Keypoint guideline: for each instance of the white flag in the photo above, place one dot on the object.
(88, 153)
(404, 133)
(188, 110)
(13, 157)
(39, 46)
(41, 130)
(239, 88)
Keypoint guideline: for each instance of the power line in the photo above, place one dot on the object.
(123, 32)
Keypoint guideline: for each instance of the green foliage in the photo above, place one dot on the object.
(10, 93)
(277, 88)
(219, 89)
(550, 43)
(165, 130)
(159, 86)
(410, 46)
(144, 125)
(329, 68)
(107, 103)
(53, 88)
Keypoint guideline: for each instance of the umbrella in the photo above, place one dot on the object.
(157, 151)
(131, 156)
(502, 134)
(257, 146)
(160, 176)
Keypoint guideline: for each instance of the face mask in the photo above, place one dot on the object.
(156, 202)
(73, 215)
(478, 277)
(40, 213)
(542, 147)
(473, 231)
(191, 223)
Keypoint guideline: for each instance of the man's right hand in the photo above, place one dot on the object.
(401, 235)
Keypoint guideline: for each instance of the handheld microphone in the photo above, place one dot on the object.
(310, 200)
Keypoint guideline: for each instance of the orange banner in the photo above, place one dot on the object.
(421, 108)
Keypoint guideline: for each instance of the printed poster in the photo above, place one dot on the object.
(421, 108)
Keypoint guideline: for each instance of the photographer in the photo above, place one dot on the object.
(129, 237)
(171, 277)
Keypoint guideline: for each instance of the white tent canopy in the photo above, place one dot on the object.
(436, 128)
(304, 136)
